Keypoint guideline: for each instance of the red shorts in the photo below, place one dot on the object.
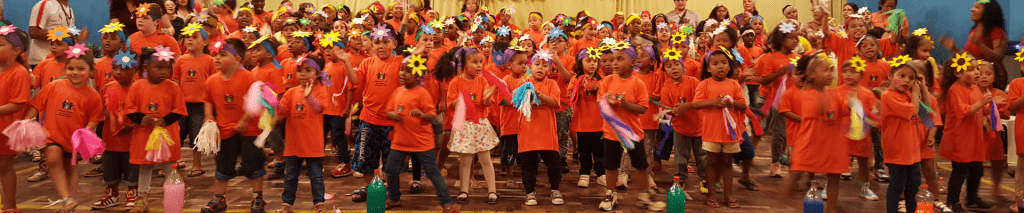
(4, 149)
(995, 147)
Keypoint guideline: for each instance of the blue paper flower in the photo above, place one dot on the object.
(126, 59)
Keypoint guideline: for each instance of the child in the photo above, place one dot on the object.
(412, 109)
(190, 72)
(540, 141)
(300, 43)
(649, 58)
(713, 95)
(627, 96)
(116, 134)
(875, 71)
(150, 104)
(853, 71)
(585, 121)
(901, 128)
(51, 69)
(510, 117)
(995, 155)
(535, 21)
(339, 71)
(112, 40)
(965, 107)
(770, 71)
(238, 130)
(72, 104)
(381, 74)
(147, 18)
(475, 138)
(559, 43)
(1015, 91)
(303, 132)
(678, 93)
(15, 97)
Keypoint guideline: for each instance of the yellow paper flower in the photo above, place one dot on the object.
(329, 39)
(112, 27)
(596, 53)
(794, 61)
(191, 28)
(58, 33)
(961, 62)
(921, 31)
(418, 64)
(825, 58)
(673, 54)
(678, 37)
(621, 45)
(1019, 58)
(300, 34)
(858, 63)
(899, 61)
(259, 41)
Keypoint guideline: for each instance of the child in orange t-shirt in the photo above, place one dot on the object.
(117, 133)
(963, 134)
(52, 69)
(65, 106)
(271, 73)
(772, 70)
(714, 95)
(190, 72)
(303, 107)
(413, 110)
(995, 155)
(875, 71)
(154, 103)
(17, 85)
(860, 149)
(902, 132)
(225, 91)
(539, 135)
(627, 95)
(649, 60)
(338, 70)
(509, 117)
(477, 137)
(1016, 90)
(678, 93)
(147, 35)
(381, 76)
(586, 123)
(113, 40)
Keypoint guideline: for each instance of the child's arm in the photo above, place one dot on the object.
(792, 116)
(92, 125)
(930, 141)
(1016, 105)
(547, 100)
(425, 116)
(563, 73)
(981, 103)
(243, 124)
(11, 108)
(207, 112)
(487, 101)
(31, 113)
(352, 76)
(768, 79)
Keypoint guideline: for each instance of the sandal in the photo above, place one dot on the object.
(389, 204)
(463, 196)
(713, 203)
(359, 195)
(492, 199)
(69, 205)
(285, 208)
(415, 188)
(195, 173)
(734, 203)
(320, 208)
(182, 164)
(511, 185)
(750, 185)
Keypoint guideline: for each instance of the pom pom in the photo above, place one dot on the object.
(157, 146)
(86, 143)
(266, 124)
(208, 139)
(857, 125)
(270, 99)
(252, 99)
(25, 135)
(624, 133)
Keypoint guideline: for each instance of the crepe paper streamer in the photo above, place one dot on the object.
(502, 86)
(926, 118)
(208, 139)
(624, 133)
(857, 124)
(662, 117)
(252, 99)
(523, 98)
(895, 20)
(471, 113)
(574, 95)
(659, 103)
(157, 146)
(270, 98)
(24, 135)
(730, 122)
(775, 100)
(86, 143)
(459, 118)
(265, 123)
(926, 108)
(755, 123)
(664, 127)
(993, 117)
(334, 97)
(113, 105)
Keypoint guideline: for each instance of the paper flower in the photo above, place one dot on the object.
(58, 33)
(112, 27)
(662, 25)
(858, 64)
(216, 46)
(126, 59)
(249, 29)
(688, 30)
(486, 39)
(961, 62)
(74, 30)
(219, 2)
(673, 54)
(437, 24)
(449, 21)
(203, 16)
(921, 31)
(163, 53)
(359, 20)
(678, 38)
(787, 27)
(7, 29)
(304, 21)
(901, 60)
(428, 30)
(984, 1)
(543, 55)
(191, 28)
(593, 53)
(329, 39)
(1019, 58)
(608, 41)
(418, 64)
(381, 32)
(310, 10)
(504, 31)
(143, 10)
(77, 50)
(794, 61)
(620, 45)
(301, 34)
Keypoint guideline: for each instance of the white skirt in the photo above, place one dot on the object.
(473, 138)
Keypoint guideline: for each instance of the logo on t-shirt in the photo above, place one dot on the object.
(153, 106)
(289, 76)
(472, 96)
(53, 79)
(106, 75)
(299, 107)
(191, 73)
(682, 100)
(67, 105)
(381, 75)
(229, 98)
(874, 78)
(401, 107)
(328, 77)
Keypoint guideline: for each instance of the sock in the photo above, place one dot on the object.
(257, 194)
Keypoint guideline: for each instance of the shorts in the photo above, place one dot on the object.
(372, 145)
(191, 123)
(716, 147)
(116, 169)
(239, 146)
(66, 154)
(276, 138)
(510, 150)
(613, 152)
(746, 149)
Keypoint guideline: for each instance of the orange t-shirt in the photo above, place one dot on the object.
(381, 79)
(139, 41)
(227, 97)
(963, 136)
(116, 119)
(785, 105)
(269, 74)
(47, 71)
(154, 100)
(874, 74)
(630, 90)
(689, 123)
(539, 132)
(356, 59)
(64, 109)
(229, 21)
(769, 64)
(510, 116)
(474, 87)
(337, 74)
(304, 133)
(754, 52)
(902, 130)
(191, 73)
(568, 60)
(412, 134)
(582, 44)
(435, 55)
(1015, 91)
(693, 68)
(712, 125)
(282, 53)
(586, 117)
(654, 81)
(868, 100)
(814, 149)
(17, 84)
(104, 71)
(289, 71)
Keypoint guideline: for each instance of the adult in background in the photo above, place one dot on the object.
(987, 40)
(682, 15)
(124, 11)
(880, 19)
(47, 14)
(749, 11)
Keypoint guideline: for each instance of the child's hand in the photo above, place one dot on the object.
(307, 88)
(680, 109)
(124, 130)
(987, 97)
(394, 116)
(721, 103)
(157, 122)
(242, 126)
(416, 112)
(490, 91)
(342, 55)
(612, 100)
(147, 121)
(948, 42)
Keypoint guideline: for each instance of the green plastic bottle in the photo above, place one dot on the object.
(676, 197)
(377, 194)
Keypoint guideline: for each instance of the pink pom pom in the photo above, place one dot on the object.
(87, 143)
(271, 98)
(252, 99)
(24, 135)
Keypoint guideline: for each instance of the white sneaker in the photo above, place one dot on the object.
(36, 156)
(866, 193)
(824, 192)
(602, 181)
(611, 199)
(584, 181)
(946, 209)
(556, 197)
(40, 175)
(531, 199)
(647, 202)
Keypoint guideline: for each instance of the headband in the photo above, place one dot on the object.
(787, 27)
(303, 35)
(465, 51)
(418, 64)
(332, 39)
(125, 59)
(858, 64)
(77, 50)
(631, 18)
(1019, 58)
(60, 33)
(192, 28)
(903, 59)
(143, 10)
(115, 27)
(650, 51)
(536, 15)
(162, 54)
(680, 38)
(304, 60)
(8, 31)
(604, 25)
(221, 45)
(748, 31)
(381, 32)
(590, 52)
(756, 17)
(961, 62)
(542, 55)
(266, 45)
(672, 54)
(557, 32)
(243, 9)
(624, 46)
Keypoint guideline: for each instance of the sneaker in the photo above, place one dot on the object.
(531, 199)
(278, 173)
(40, 175)
(623, 181)
(140, 205)
(846, 176)
(611, 199)
(357, 174)
(108, 200)
(957, 208)
(36, 156)
(824, 192)
(342, 170)
(978, 204)
(882, 176)
(945, 209)
(415, 187)
(96, 160)
(647, 202)
(602, 181)
(584, 181)
(703, 186)
(130, 196)
(775, 171)
(98, 171)
(218, 204)
(257, 205)
(866, 193)
(556, 197)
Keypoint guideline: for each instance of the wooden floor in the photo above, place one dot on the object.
(34, 197)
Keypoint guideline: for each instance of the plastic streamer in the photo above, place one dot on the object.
(157, 146)
(252, 99)
(730, 122)
(622, 131)
(896, 18)
(459, 118)
(857, 118)
(665, 125)
(502, 86)
(575, 94)
(266, 124)
(85, 142)
(270, 98)
(755, 123)
(523, 98)
(113, 103)
(775, 100)
(25, 135)
(208, 139)
(471, 113)
(993, 117)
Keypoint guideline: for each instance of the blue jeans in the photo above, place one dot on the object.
(905, 180)
(335, 126)
(192, 123)
(315, 170)
(395, 166)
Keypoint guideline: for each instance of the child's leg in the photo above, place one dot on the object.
(863, 170)
(585, 154)
(9, 182)
(394, 168)
(485, 161)
(315, 171)
(465, 164)
(443, 152)
(195, 123)
(777, 127)
(833, 201)
(699, 155)
(146, 176)
(612, 161)
(1019, 180)
(292, 168)
(417, 169)
(714, 159)
(530, 163)
(509, 154)
(252, 161)
(553, 165)
(639, 161)
(913, 185)
(976, 169)
(430, 167)
(928, 171)
(725, 171)
(998, 167)
(55, 162)
(898, 183)
(956, 182)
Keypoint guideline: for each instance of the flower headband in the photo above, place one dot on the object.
(303, 35)
(76, 51)
(266, 45)
(604, 25)
(192, 28)
(8, 31)
(756, 17)
(787, 27)
(418, 64)
(504, 31)
(961, 62)
(672, 54)
(858, 64)
(688, 30)
(590, 52)
(251, 29)
(1019, 58)
(624, 46)
(984, 1)
(332, 39)
(125, 59)
(462, 52)
(486, 39)
(632, 18)
(557, 32)
(542, 55)
(650, 51)
(115, 27)
(60, 33)
(380, 32)
(162, 54)
(903, 59)
(143, 10)
(219, 45)
(536, 15)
